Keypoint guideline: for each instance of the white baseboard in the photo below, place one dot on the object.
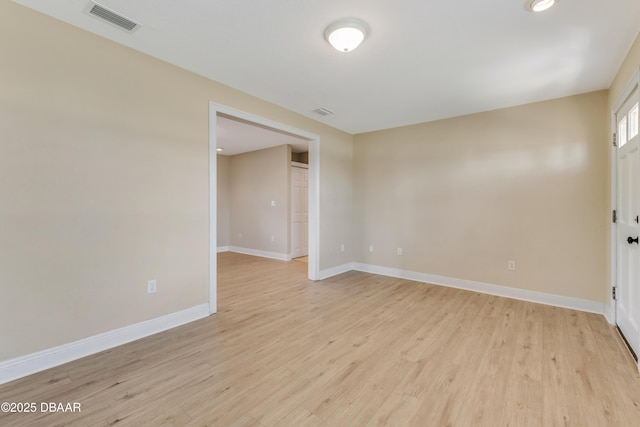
(26, 365)
(334, 271)
(609, 314)
(223, 248)
(485, 288)
(263, 254)
(35, 362)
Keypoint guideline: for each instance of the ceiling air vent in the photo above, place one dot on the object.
(110, 16)
(323, 111)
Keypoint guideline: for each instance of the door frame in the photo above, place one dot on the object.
(613, 229)
(633, 83)
(314, 192)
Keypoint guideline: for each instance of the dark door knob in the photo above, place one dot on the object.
(631, 240)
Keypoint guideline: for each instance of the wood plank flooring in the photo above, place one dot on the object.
(354, 350)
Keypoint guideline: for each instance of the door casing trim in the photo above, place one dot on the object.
(610, 310)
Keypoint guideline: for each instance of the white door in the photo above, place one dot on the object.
(299, 212)
(628, 222)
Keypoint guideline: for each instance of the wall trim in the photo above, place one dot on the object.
(258, 252)
(334, 271)
(610, 315)
(299, 165)
(22, 366)
(486, 288)
(223, 249)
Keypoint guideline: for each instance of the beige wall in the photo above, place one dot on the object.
(465, 195)
(104, 183)
(256, 180)
(223, 199)
(626, 71)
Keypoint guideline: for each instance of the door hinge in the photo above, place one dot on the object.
(613, 293)
(615, 139)
(614, 216)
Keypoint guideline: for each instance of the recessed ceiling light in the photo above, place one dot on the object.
(219, 149)
(539, 5)
(346, 34)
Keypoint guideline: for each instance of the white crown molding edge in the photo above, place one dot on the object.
(23, 366)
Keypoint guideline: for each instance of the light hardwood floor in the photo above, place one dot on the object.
(354, 350)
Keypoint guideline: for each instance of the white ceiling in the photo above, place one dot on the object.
(423, 60)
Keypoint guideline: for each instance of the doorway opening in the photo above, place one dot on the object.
(299, 224)
(216, 111)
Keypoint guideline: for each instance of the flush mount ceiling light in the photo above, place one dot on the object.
(346, 34)
(539, 5)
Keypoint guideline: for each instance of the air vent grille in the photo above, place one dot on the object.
(323, 111)
(114, 18)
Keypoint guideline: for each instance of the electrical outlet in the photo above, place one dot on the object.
(151, 286)
(370, 248)
(273, 203)
(342, 247)
(399, 251)
(511, 265)
(273, 238)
